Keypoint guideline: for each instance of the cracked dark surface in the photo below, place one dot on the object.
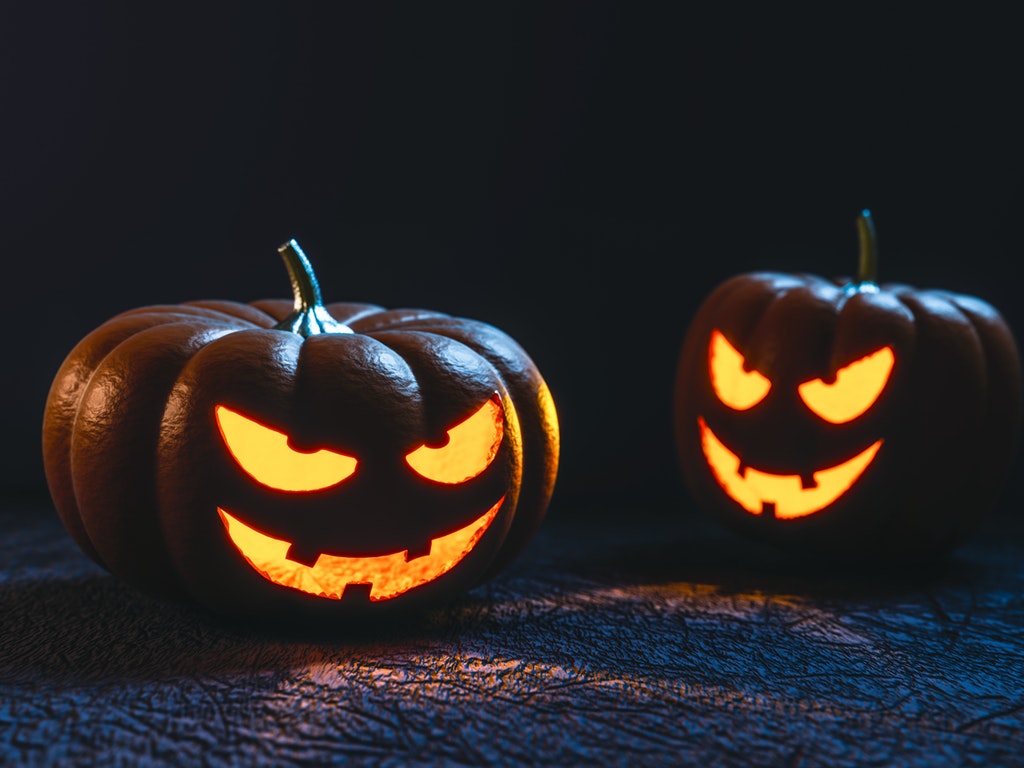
(632, 639)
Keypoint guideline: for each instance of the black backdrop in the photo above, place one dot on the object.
(578, 174)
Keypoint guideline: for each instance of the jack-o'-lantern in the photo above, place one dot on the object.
(290, 458)
(846, 419)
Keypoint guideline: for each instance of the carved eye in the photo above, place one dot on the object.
(471, 446)
(265, 455)
(737, 388)
(856, 388)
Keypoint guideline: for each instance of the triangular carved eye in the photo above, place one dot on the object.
(264, 453)
(856, 388)
(470, 448)
(737, 388)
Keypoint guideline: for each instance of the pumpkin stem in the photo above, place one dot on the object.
(867, 268)
(867, 262)
(309, 317)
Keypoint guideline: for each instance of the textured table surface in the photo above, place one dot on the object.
(632, 639)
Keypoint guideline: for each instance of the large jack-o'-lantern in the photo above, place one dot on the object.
(287, 458)
(846, 419)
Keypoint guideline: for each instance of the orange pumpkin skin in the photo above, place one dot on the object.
(945, 421)
(137, 467)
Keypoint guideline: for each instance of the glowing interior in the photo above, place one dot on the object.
(265, 455)
(737, 388)
(389, 575)
(751, 489)
(856, 388)
(471, 446)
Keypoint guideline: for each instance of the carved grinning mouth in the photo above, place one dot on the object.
(388, 575)
(783, 495)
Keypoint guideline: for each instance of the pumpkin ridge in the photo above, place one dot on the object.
(399, 319)
(1003, 385)
(63, 407)
(537, 425)
(856, 311)
(933, 312)
(745, 292)
(192, 312)
(416, 348)
(127, 438)
(278, 309)
(993, 343)
(324, 357)
(235, 311)
(159, 317)
(351, 314)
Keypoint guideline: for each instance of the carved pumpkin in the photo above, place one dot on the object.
(287, 458)
(844, 419)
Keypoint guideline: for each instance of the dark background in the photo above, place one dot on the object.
(579, 174)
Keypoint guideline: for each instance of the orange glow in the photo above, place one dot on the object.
(471, 447)
(265, 455)
(856, 388)
(389, 575)
(752, 488)
(737, 388)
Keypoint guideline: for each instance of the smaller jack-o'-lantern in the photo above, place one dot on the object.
(291, 458)
(846, 419)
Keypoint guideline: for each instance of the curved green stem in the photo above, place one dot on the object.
(304, 283)
(867, 263)
(309, 317)
(867, 266)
